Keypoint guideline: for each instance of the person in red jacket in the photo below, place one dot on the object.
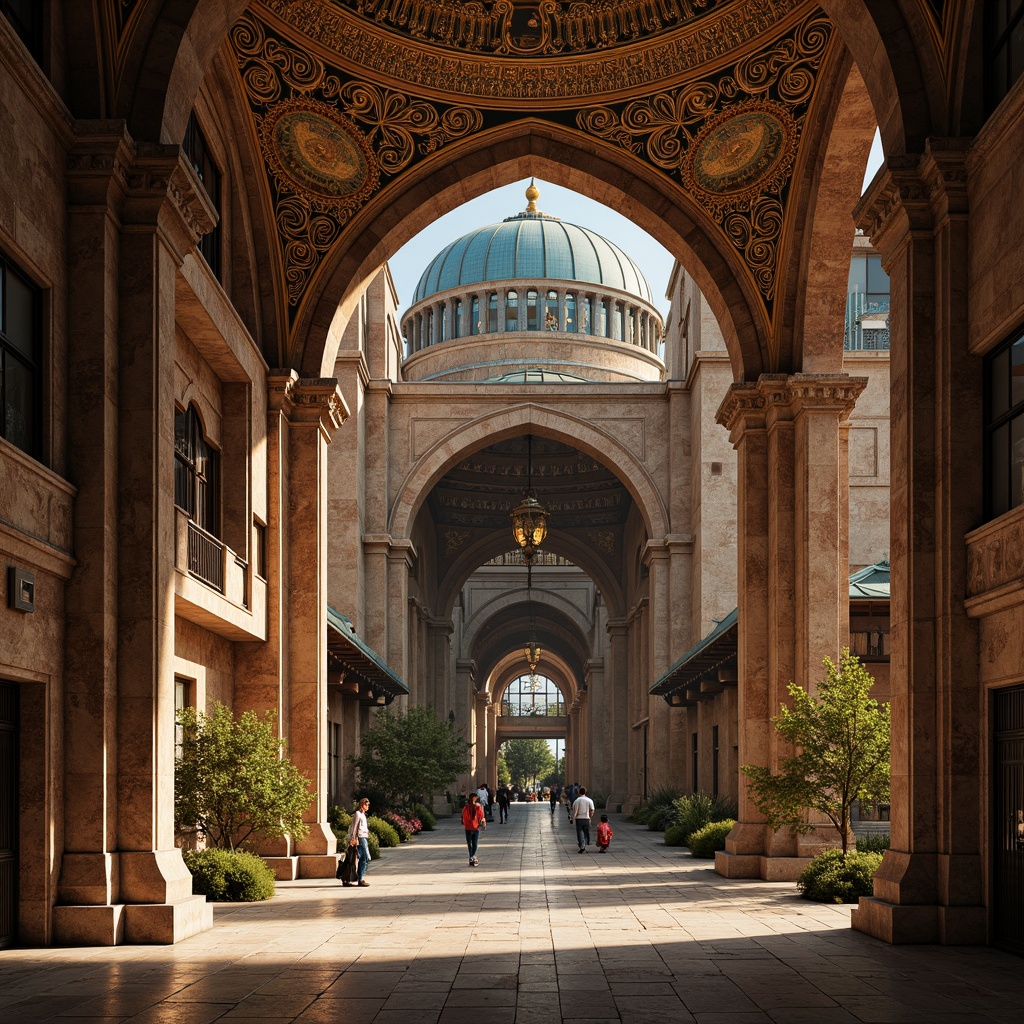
(604, 834)
(472, 822)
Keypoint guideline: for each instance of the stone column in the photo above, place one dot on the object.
(659, 627)
(313, 409)
(442, 686)
(401, 557)
(616, 682)
(930, 887)
(122, 878)
(790, 436)
(465, 689)
(481, 753)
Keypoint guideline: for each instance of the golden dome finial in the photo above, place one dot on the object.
(532, 194)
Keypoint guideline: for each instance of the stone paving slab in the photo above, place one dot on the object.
(537, 934)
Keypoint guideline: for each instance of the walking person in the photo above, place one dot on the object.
(553, 797)
(504, 799)
(582, 812)
(604, 834)
(359, 835)
(472, 821)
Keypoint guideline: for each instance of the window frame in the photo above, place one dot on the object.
(199, 153)
(205, 514)
(993, 422)
(998, 52)
(8, 349)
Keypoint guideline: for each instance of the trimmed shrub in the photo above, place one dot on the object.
(660, 798)
(877, 842)
(830, 879)
(225, 877)
(675, 835)
(386, 834)
(705, 841)
(425, 815)
(374, 843)
(656, 819)
(693, 811)
(340, 821)
(403, 826)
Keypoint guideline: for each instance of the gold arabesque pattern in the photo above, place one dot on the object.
(328, 141)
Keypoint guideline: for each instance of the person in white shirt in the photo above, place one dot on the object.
(582, 812)
(359, 835)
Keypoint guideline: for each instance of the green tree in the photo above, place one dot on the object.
(841, 744)
(504, 777)
(232, 782)
(410, 753)
(527, 759)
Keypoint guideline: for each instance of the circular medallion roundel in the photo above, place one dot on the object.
(320, 152)
(743, 150)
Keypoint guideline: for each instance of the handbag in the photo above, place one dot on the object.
(348, 866)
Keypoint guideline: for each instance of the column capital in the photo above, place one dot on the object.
(618, 627)
(775, 397)
(445, 626)
(914, 191)
(307, 400)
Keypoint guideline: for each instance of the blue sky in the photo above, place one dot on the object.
(653, 259)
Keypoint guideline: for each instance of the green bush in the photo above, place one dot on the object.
(660, 798)
(675, 835)
(693, 811)
(830, 879)
(374, 843)
(340, 821)
(656, 819)
(705, 841)
(877, 842)
(223, 876)
(386, 834)
(600, 800)
(426, 816)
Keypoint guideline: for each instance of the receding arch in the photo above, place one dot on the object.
(566, 157)
(469, 437)
(566, 545)
(833, 187)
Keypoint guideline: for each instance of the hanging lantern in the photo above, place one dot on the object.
(533, 651)
(529, 526)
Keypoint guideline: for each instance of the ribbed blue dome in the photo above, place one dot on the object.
(532, 246)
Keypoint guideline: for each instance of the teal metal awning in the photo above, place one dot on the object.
(349, 653)
(716, 650)
(870, 584)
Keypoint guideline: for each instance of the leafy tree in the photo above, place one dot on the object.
(504, 778)
(556, 776)
(841, 743)
(526, 759)
(410, 753)
(232, 782)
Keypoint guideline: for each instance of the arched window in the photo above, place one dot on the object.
(492, 314)
(196, 472)
(511, 310)
(551, 312)
(532, 696)
(457, 319)
(531, 311)
(475, 326)
(570, 312)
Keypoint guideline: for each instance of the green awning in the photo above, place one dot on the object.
(349, 651)
(717, 648)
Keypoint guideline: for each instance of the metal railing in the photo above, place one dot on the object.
(860, 312)
(870, 644)
(541, 709)
(205, 556)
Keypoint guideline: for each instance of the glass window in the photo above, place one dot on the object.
(1004, 48)
(1004, 427)
(551, 312)
(198, 154)
(532, 319)
(534, 696)
(492, 314)
(511, 310)
(570, 312)
(20, 347)
(457, 320)
(475, 326)
(196, 472)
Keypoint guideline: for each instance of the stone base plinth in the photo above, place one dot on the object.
(161, 924)
(906, 925)
(313, 866)
(286, 869)
(88, 925)
(757, 865)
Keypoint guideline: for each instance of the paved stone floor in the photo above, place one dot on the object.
(537, 933)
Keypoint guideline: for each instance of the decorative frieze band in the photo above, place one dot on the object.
(307, 399)
(785, 395)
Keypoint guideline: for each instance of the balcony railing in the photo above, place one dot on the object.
(870, 644)
(867, 324)
(205, 556)
(541, 709)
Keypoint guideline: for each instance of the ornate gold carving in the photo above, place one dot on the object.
(454, 540)
(329, 141)
(603, 540)
(730, 141)
(587, 49)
